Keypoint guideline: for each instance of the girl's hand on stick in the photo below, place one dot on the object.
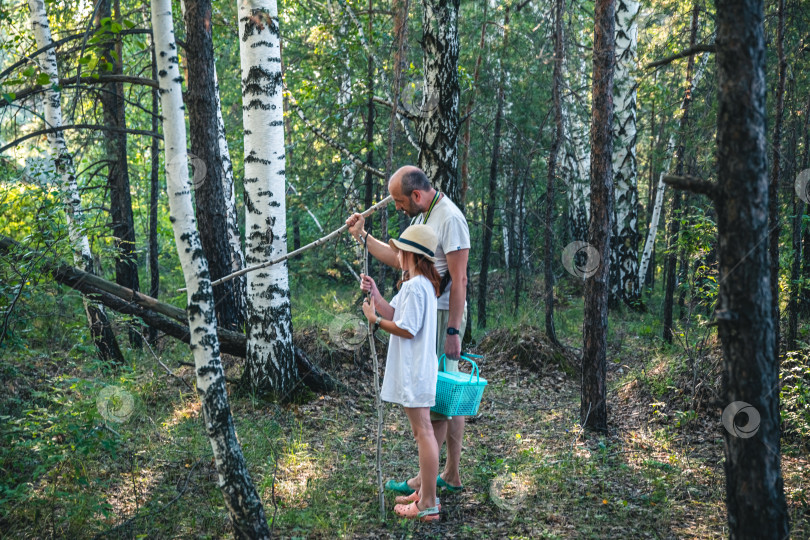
(367, 285)
(369, 311)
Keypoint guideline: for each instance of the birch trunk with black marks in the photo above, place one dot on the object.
(64, 170)
(241, 499)
(755, 497)
(624, 283)
(111, 97)
(270, 360)
(593, 406)
(237, 255)
(439, 122)
(212, 213)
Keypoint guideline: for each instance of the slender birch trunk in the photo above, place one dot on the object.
(438, 126)
(243, 503)
(624, 255)
(270, 361)
(659, 189)
(237, 255)
(100, 330)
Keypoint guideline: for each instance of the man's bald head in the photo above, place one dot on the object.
(410, 188)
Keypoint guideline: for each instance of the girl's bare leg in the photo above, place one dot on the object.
(419, 418)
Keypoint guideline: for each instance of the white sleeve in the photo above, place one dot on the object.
(454, 234)
(410, 313)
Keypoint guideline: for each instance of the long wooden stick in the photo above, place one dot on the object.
(299, 251)
(377, 398)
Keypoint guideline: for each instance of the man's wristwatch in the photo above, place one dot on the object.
(452, 331)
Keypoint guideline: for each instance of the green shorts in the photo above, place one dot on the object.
(442, 316)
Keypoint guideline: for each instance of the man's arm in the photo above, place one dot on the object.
(379, 250)
(457, 267)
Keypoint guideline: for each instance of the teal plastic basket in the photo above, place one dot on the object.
(459, 394)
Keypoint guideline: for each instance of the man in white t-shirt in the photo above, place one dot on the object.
(413, 194)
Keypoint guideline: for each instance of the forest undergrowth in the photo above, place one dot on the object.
(528, 468)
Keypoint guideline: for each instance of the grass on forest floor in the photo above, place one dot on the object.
(528, 469)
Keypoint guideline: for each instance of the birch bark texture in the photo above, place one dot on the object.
(241, 499)
(270, 360)
(64, 170)
(755, 497)
(439, 123)
(624, 254)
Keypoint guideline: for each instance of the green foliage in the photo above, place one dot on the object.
(794, 395)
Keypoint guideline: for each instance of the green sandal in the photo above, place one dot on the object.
(440, 483)
(399, 487)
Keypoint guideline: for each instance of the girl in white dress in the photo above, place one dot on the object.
(411, 366)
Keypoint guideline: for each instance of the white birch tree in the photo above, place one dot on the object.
(659, 190)
(63, 169)
(624, 284)
(241, 499)
(270, 361)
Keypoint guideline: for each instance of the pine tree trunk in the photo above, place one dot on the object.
(111, 97)
(438, 125)
(754, 487)
(774, 221)
(241, 499)
(270, 360)
(100, 329)
(593, 407)
(624, 255)
(212, 213)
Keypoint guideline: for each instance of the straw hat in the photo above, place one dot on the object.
(419, 239)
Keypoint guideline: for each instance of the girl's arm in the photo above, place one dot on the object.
(383, 307)
(386, 324)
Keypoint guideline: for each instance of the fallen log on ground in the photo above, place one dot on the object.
(166, 318)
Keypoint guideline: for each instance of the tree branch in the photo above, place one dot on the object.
(695, 185)
(66, 81)
(46, 131)
(697, 49)
(401, 110)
